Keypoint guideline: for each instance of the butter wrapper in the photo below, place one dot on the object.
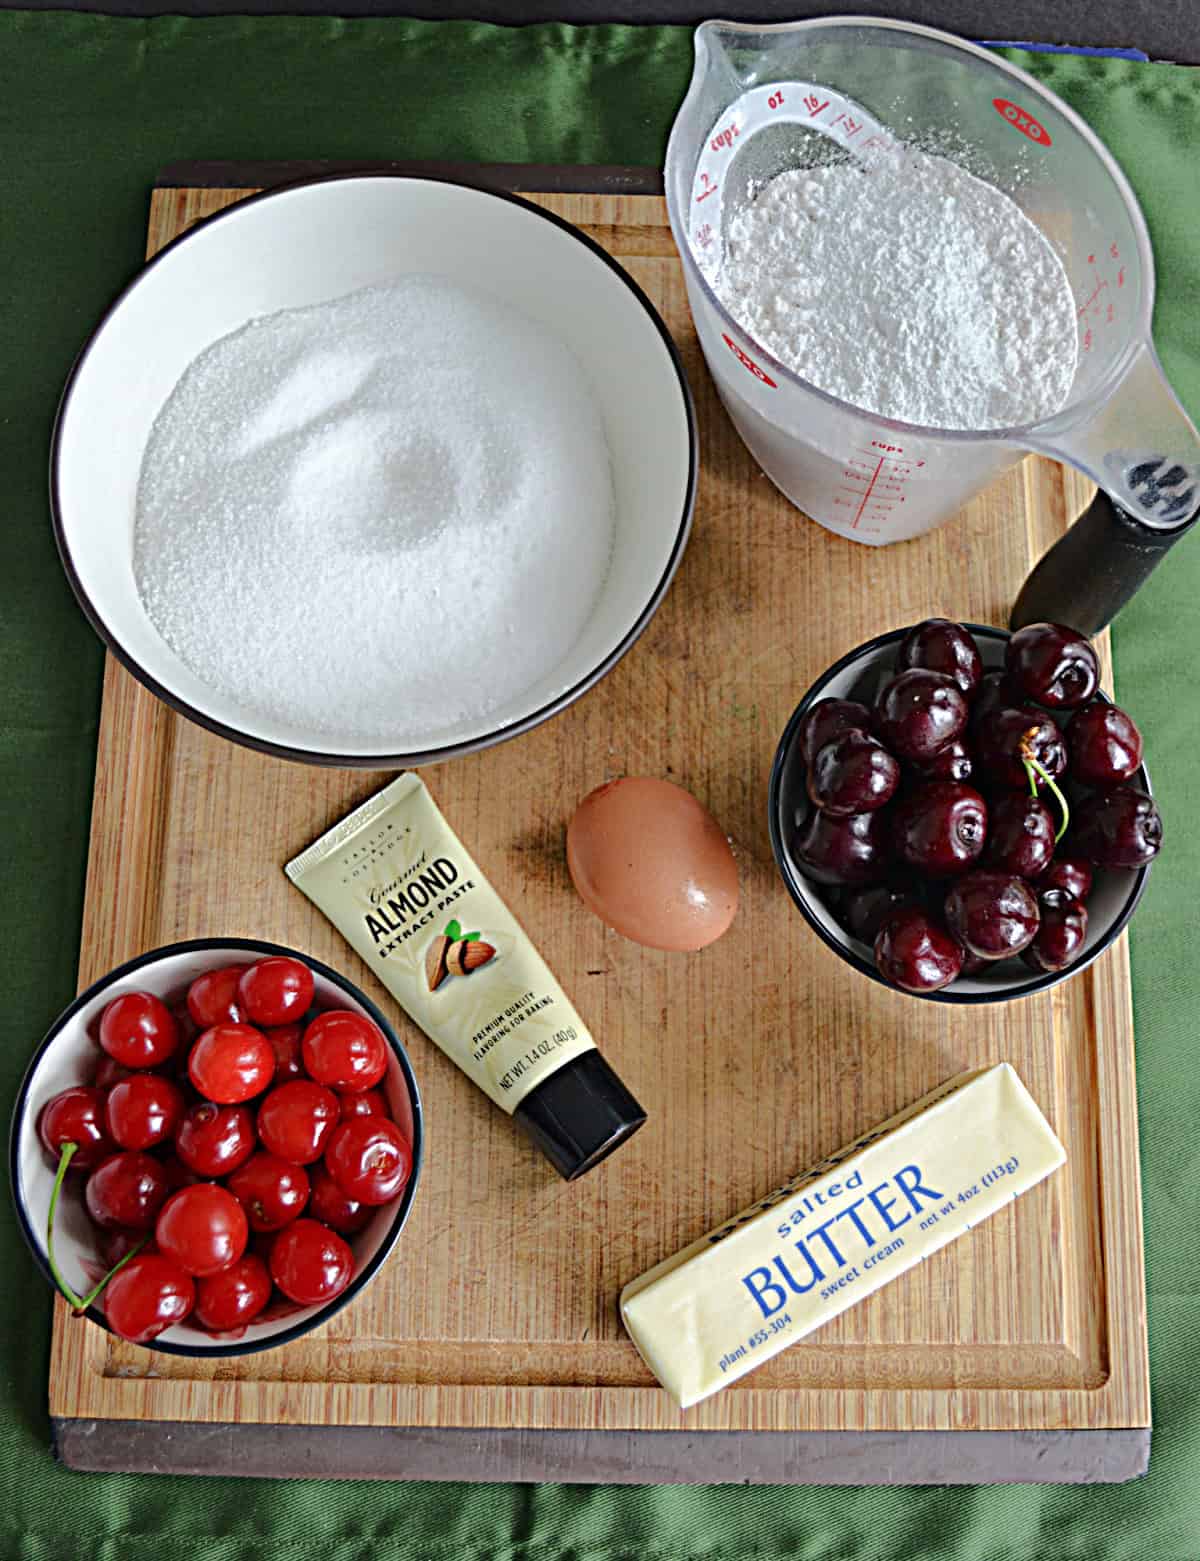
(838, 1232)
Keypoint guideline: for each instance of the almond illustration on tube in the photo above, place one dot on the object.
(435, 962)
(468, 955)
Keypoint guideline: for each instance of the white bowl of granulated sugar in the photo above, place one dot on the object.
(375, 470)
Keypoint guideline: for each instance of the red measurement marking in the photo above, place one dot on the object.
(1021, 119)
(748, 362)
(709, 187)
(814, 105)
(1091, 298)
(866, 496)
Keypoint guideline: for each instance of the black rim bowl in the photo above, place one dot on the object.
(369, 1269)
(436, 755)
(802, 890)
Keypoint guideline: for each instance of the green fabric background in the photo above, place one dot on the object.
(90, 108)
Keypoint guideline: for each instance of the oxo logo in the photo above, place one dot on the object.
(1021, 119)
(748, 362)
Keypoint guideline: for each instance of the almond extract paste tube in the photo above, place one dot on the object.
(400, 886)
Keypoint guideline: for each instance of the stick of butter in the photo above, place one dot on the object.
(838, 1232)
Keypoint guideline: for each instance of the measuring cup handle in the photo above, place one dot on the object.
(1088, 576)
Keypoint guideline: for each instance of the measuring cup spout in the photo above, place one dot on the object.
(1139, 445)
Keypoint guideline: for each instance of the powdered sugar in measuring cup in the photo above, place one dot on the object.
(906, 286)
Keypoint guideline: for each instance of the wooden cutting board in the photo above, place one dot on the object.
(490, 1344)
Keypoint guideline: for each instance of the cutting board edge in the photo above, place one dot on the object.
(612, 1457)
(535, 178)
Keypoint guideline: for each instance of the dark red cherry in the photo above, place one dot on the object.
(1067, 873)
(914, 952)
(866, 910)
(1104, 746)
(1060, 937)
(828, 720)
(940, 829)
(1020, 835)
(1007, 736)
(952, 763)
(919, 712)
(852, 774)
(1053, 665)
(852, 850)
(993, 915)
(1120, 828)
(993, 692)
(942, 646)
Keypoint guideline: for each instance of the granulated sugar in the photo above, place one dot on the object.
(907, 287)
(377, 517)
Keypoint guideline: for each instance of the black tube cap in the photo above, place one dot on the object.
(579, 1114)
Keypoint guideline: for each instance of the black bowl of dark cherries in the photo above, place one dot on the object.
(962, 813)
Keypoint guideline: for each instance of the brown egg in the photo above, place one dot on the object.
(653, 863)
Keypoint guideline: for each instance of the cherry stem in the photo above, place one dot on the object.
(1032, 765)
(80, 1303)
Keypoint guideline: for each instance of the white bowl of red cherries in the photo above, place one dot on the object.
(216, 1147)
(961, 812)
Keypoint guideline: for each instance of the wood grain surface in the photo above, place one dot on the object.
(755, 1057)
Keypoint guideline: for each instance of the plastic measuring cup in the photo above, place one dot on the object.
(767, 98)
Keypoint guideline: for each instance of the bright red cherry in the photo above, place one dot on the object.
(214, 1140)
(272, 1191)
(235, 1296)
(285, 1043)
(143, 1110)
(276, 990)
(329, 1204)
(127, 1189)
(76, 1116)
(370, 1159)
(138, 1031)
(213, 998)
(202, 1228)
(310, 1263)
(149, 1295)
(231, 1063)
(345, 1050)
(362, 1103)
(296, 1119)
